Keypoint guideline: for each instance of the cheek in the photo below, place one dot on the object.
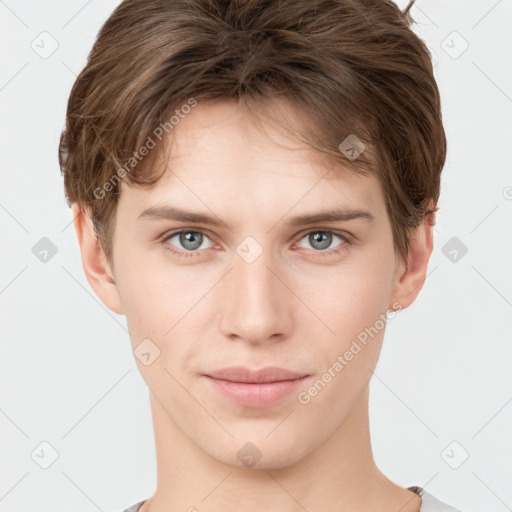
(352, 302)
(348, 297)
(354, 308)
(162, 302)
(146, 296)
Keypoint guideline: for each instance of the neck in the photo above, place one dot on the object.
(341, 471)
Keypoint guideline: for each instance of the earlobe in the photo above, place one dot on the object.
(409, 278)
(94, 262)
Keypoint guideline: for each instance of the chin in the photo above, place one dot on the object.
(259, 449)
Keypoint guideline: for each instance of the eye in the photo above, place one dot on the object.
(321, 240)
(189, 240)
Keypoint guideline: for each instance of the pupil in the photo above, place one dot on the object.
(318, 236)
(188, 238)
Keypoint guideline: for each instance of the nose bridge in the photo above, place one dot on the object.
(254, 301)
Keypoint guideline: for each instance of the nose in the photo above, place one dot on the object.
(256, 304)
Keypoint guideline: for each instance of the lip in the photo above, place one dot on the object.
(255, 388)
(243, 374)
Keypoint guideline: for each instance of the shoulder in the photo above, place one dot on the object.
(430, 503)
(135, 507)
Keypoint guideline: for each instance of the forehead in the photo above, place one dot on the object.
(231, 133)
(219, 154)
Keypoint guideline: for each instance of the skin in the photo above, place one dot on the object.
(292, 307)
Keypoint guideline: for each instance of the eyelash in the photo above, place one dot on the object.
(342, 248)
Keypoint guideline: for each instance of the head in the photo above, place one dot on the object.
(254, 117)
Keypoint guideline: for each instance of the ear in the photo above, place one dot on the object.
(95, 264)
(410, 276)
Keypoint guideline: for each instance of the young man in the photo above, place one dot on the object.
(254, 186)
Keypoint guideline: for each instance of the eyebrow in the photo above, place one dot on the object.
(172, 213)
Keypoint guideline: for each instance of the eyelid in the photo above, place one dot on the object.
(177, 231)
(298, 236)
(338, 232)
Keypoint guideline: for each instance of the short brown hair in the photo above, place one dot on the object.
(349, 67)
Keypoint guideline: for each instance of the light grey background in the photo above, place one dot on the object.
(69, 378)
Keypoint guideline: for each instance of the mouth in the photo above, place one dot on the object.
(255, 388)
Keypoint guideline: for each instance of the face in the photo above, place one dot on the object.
(255, 289)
